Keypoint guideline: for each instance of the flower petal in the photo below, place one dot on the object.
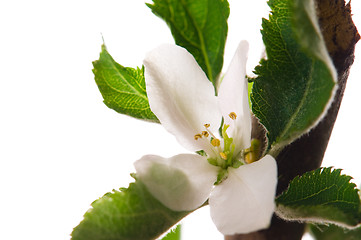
(181, 183)
(244, 202)
(233, 97)
(180, 94)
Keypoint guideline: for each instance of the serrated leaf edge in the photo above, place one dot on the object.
(281, 210)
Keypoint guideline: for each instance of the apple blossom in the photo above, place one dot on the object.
(240, 192)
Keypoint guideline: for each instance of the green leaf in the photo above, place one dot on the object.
(321, 196)
(122, 88)
(296, 84)
(200, 26)
(333, 232)
(174, 234)
(127, 214)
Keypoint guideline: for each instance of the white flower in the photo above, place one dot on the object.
(241, 200)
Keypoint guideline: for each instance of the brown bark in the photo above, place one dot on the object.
(306, 153)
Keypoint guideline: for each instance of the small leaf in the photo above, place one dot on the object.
(174, 234)
(200, 26)
(321, 196)
(131, 213)
(296, 84)
(333, 232)
(122, 88)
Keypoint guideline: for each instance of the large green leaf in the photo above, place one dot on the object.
(200, 26)
(296, 83)
(127, 214)
(333, 232)
(321, 196)
(122, 88)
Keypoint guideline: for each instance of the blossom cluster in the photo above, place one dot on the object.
(240, 188)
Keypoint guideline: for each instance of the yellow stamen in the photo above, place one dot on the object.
(205, 133)
(215, 142)
(223, 155)
(252, 154)
(207, 125)
(233, 115)
(197, 136)
(249, 157)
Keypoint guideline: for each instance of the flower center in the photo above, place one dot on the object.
(225, 156)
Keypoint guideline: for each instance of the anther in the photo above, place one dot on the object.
(252, 154)
(233, 115)
(205, 133)
(223, 155)
(207, 125)
(197, 136)
(215, 142)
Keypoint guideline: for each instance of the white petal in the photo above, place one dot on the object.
(180, 94)
(244, 202)
(233, 97)
(181, 183)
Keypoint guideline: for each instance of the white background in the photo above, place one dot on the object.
(61, 147)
